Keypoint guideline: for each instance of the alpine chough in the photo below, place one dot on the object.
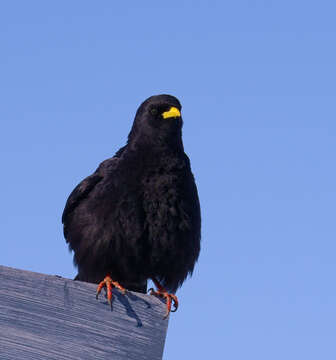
(137, 217)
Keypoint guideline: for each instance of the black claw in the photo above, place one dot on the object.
(175, 306)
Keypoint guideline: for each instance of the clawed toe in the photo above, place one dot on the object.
(109, 284)
(171, 299)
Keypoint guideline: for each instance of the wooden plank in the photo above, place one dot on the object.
(49, 317)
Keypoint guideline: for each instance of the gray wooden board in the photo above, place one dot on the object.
(49, 317)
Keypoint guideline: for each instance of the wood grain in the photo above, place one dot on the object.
(49, 317)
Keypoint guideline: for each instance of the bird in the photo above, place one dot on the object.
(138, 217)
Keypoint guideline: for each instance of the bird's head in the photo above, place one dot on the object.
(158, 120)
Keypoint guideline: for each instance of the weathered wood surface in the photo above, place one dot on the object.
(49, 317)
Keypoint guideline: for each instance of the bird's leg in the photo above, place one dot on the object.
(162, 292)
(109, 284)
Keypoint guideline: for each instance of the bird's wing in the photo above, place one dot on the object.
(79, 193)
(82, 190)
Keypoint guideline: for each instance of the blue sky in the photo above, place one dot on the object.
(257, 83)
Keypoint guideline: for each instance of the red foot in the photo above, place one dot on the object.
(162, 292)
(109, 284)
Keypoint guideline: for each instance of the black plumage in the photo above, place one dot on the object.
(138, 215)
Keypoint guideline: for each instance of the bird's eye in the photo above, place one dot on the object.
(154, 112)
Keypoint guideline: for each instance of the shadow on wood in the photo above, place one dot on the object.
(49, 317)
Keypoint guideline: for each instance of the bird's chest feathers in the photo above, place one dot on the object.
(165, 206)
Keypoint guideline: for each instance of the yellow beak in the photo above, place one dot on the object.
(173, 112)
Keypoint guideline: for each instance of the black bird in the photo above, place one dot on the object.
(137, 217)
